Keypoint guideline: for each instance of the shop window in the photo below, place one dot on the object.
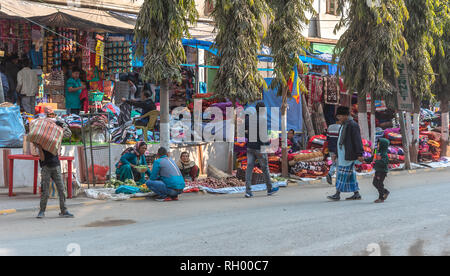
(332, 7)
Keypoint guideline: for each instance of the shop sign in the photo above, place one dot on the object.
(404, 98)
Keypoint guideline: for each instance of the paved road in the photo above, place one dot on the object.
(297, 221)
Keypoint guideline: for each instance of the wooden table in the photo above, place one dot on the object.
(11, 158)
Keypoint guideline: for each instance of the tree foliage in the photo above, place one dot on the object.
(441, 61)
(372, 45)
(285, 36)
(240, 31)
(163, 24)
(420, 29)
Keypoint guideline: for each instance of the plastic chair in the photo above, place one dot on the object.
(152, 118)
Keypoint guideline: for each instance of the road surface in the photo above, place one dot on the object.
(297, 221)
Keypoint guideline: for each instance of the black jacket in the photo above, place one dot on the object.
(352, 142)
(256, 145)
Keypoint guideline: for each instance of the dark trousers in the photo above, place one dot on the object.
(378, 182)
(48, 174)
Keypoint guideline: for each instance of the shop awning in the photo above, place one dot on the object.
(65, 16)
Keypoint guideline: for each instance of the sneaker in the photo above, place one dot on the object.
(174, 198)
(66, 215)
(335, 197)
(273, 191)
(329, 179)
(380, 200)
(386, 195)
(248, 195)
(163, 199)
(41, 215)
(354, 197)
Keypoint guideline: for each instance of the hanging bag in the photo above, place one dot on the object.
(12, 129)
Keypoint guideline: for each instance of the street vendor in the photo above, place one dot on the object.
(130, 160)
(188, 168)
(73, 91)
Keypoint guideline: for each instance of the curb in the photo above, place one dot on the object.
(49, 208)
(370, 176)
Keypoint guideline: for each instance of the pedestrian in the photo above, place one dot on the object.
(255, 152)
(73, 91)
(332, 140)
(166, 179)
(4, 85)
(27, 87)
(381, 159)
(349, 151)
(51, 170)
(11, 70)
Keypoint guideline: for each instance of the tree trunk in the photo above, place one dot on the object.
(373, 124)
(416, 131)
(284, 142)
(307, 117)
(445, 125)
(164, 114)
(362, 116)
(405, 140)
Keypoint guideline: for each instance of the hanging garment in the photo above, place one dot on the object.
(332, 92)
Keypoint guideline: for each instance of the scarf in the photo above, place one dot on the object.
(135, 149)
(182, 165)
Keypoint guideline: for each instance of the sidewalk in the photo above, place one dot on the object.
(25, 200)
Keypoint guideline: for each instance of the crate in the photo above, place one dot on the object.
(257, 178)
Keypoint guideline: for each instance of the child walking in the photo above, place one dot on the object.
(381, 169)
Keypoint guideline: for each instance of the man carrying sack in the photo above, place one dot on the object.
(48, 135)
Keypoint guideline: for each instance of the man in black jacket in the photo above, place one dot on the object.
(349, 151)
(255, 152)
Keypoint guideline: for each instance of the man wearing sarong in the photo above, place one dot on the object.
(350, 150)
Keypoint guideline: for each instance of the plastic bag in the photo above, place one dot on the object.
(12, 129)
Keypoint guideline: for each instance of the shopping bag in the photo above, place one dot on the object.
(12, 129)
(47, 134)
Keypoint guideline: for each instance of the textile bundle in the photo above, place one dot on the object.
(47, 134)
(307, 156)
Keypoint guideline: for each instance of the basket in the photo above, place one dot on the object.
(257, 178)
(96, 96)
(141, 170)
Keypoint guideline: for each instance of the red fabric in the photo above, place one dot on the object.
(84, 98)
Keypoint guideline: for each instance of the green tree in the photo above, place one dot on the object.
(441, 65)
(163, 24)
(240, 31)
(287, 42)
(420, 29)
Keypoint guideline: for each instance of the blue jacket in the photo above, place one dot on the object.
(166, 170)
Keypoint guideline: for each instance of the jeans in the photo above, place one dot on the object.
(252, 155)
(161, 189)
(333, 166)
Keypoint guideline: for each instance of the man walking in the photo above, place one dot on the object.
(255, 152)
(349, 151)
(27, 87)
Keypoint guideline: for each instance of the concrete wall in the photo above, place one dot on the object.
(215, 154)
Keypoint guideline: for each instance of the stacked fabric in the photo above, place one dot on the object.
(396, 155)
(275, 164)
(317, 142)
(394, 136)
(305, 156)
(429, 147)
(310, 169)
(364, 168)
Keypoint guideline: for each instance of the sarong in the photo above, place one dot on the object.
(346, 179)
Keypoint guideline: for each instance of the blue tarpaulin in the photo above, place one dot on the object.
(294, 113)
